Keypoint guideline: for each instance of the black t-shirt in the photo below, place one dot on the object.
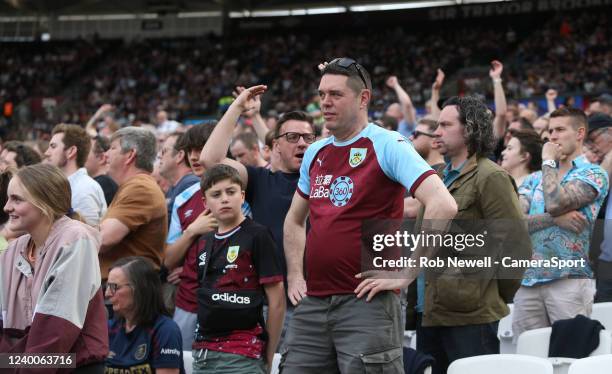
(109, 187)
(231, 295)
(269, 195)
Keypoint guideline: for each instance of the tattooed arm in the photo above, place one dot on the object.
(535, 222)
(560, 200)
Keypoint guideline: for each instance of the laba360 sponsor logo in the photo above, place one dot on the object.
(339, 191)
(231, 298)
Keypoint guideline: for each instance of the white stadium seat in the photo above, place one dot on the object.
(188, 362)
(592, 365)
(536, 343)
(505, 333)
(501, 364)
(603, 313)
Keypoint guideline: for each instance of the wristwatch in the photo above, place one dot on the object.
(551, 163)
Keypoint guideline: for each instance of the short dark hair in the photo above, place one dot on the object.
(24, 154)
(296, 115)
(75, 135)
(217, 174)
(388, 122)
(195, 137)
(176, 148)
(531, 143)
(354, 72)
(249, 140)
(101, 144)
(478, 122)
(144, 279)
(579, 119)
(269, 139)
(525, 124)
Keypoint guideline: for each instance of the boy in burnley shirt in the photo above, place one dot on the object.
(237, 268)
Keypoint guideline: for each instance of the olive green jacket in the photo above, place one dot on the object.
(483, 191)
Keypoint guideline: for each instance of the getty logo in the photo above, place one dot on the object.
(231, 298)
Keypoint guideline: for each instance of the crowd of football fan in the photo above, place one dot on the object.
(167, 244)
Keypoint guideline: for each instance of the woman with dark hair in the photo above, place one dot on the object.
(522, 155)
(143, 337)
(5, 233)
(50, 293)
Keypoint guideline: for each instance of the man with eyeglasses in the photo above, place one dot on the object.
(600, 139)
(346, 321)
(268, 192)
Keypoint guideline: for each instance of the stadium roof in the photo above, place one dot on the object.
(71, 7)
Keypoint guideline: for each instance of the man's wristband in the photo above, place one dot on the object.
(497, 80)
(551, 163)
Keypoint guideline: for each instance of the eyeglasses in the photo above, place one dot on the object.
(114, 287)
(294, 137)
(346, 63)
(417, 133)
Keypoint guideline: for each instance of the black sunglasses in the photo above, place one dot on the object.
(346, 63)
(417, 133)
(294, 137)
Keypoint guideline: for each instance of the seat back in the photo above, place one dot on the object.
(592, 365)
(501, 364)
(188, 362)
(536, 343)
(602, 312)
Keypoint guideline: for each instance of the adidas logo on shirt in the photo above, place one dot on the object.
(233, 298)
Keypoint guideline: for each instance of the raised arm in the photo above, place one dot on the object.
(91, 124)
(259, 125)
(435, 94)
(404, 100)
(216, 147)
(551, 95)
(499, 123)
(294, 241)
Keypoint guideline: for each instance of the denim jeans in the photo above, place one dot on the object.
(449, 343)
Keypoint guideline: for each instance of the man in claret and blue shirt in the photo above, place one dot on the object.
(360, 173)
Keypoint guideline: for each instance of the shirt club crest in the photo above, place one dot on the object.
(357, 156)
(232, 253)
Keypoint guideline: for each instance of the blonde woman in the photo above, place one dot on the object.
(50, 292)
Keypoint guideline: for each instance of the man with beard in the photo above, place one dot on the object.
(68, 150)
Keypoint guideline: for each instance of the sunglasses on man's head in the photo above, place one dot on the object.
(346, 63)
(294, 137)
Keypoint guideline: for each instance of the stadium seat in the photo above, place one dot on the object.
(188, 362)
(536, 343)
(505, 333)
(275, 363)
(592, 365)
(501, 364)
(602, 312)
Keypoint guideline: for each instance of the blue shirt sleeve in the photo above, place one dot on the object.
(398, 158)
(175, 231)
(597, 178)
(309, 156)
(167, 346)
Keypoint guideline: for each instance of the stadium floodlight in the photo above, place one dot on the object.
(398, 6)
(329, 10)
(212, 14)
(271, 13)
(105, 17)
